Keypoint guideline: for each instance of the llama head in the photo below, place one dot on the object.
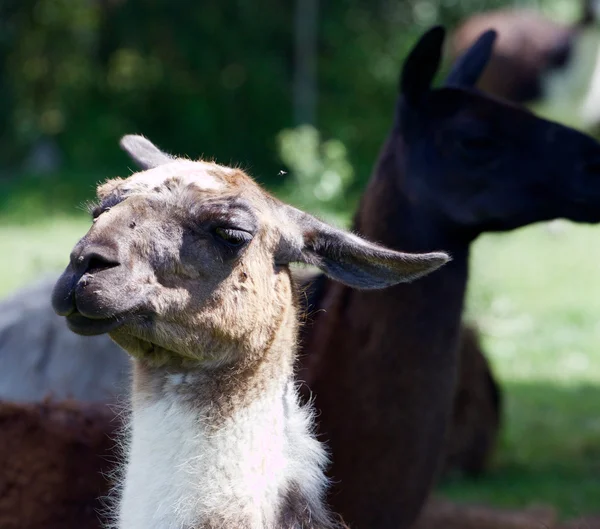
(483, 164)
(187, 261)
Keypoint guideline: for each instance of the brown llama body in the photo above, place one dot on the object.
(382, 365)
(585, 522)
(477, 405)
(443, 514)
(476, 412)
(54, 460)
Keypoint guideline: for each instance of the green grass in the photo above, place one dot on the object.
(534, 294)
(32, 251)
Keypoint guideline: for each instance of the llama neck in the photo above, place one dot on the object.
(382, 364)
(390, 215)
(395, 215)
(202, 458)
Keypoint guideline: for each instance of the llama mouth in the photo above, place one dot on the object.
(80, 324)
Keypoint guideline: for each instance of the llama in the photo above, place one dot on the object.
(53, 460)
(539, 62)
(477, 405)
(42, 360)
(477, 410)
(186, 267)
(456, 163)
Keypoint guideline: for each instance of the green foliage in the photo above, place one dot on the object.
(196, 77)
(202, 78)
(320, 172)
(31, 198)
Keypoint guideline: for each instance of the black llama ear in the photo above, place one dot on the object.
(470, 65)
(422, 64)
(143, 152)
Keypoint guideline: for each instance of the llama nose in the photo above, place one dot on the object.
(93, 259)
(85, 259)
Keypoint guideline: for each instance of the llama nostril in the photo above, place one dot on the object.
(97, 263)
(94, 260)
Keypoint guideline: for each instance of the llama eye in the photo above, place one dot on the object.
(98, 210)
(233, 237)
(477, 143)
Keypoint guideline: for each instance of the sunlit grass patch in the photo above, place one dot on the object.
(37, 250)
(535, 295)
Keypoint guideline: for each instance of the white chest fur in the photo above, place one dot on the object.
(183, 472)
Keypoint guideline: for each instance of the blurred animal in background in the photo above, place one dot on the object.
(477, 410)
(553, 67)
(442, 514)
(40, 358)
(54, 461)
(477, 406)
(381, 365)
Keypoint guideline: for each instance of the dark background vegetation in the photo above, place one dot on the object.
(211, 77)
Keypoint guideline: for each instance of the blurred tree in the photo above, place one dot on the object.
(212, 77)
(306, 26)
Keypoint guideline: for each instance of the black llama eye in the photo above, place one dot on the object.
(233, 237)
(97, 211)
(476, 143)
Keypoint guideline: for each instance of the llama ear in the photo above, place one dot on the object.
(352, 260)
(468, 67)
(422, 64)
(143, 152)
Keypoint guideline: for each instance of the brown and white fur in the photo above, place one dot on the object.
(186, 267)
(256, 466)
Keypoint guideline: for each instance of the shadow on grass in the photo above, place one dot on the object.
(549, 451)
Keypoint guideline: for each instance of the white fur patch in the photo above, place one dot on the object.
(590, 112)
(182, 472)
(570, 94)
(194, 173)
